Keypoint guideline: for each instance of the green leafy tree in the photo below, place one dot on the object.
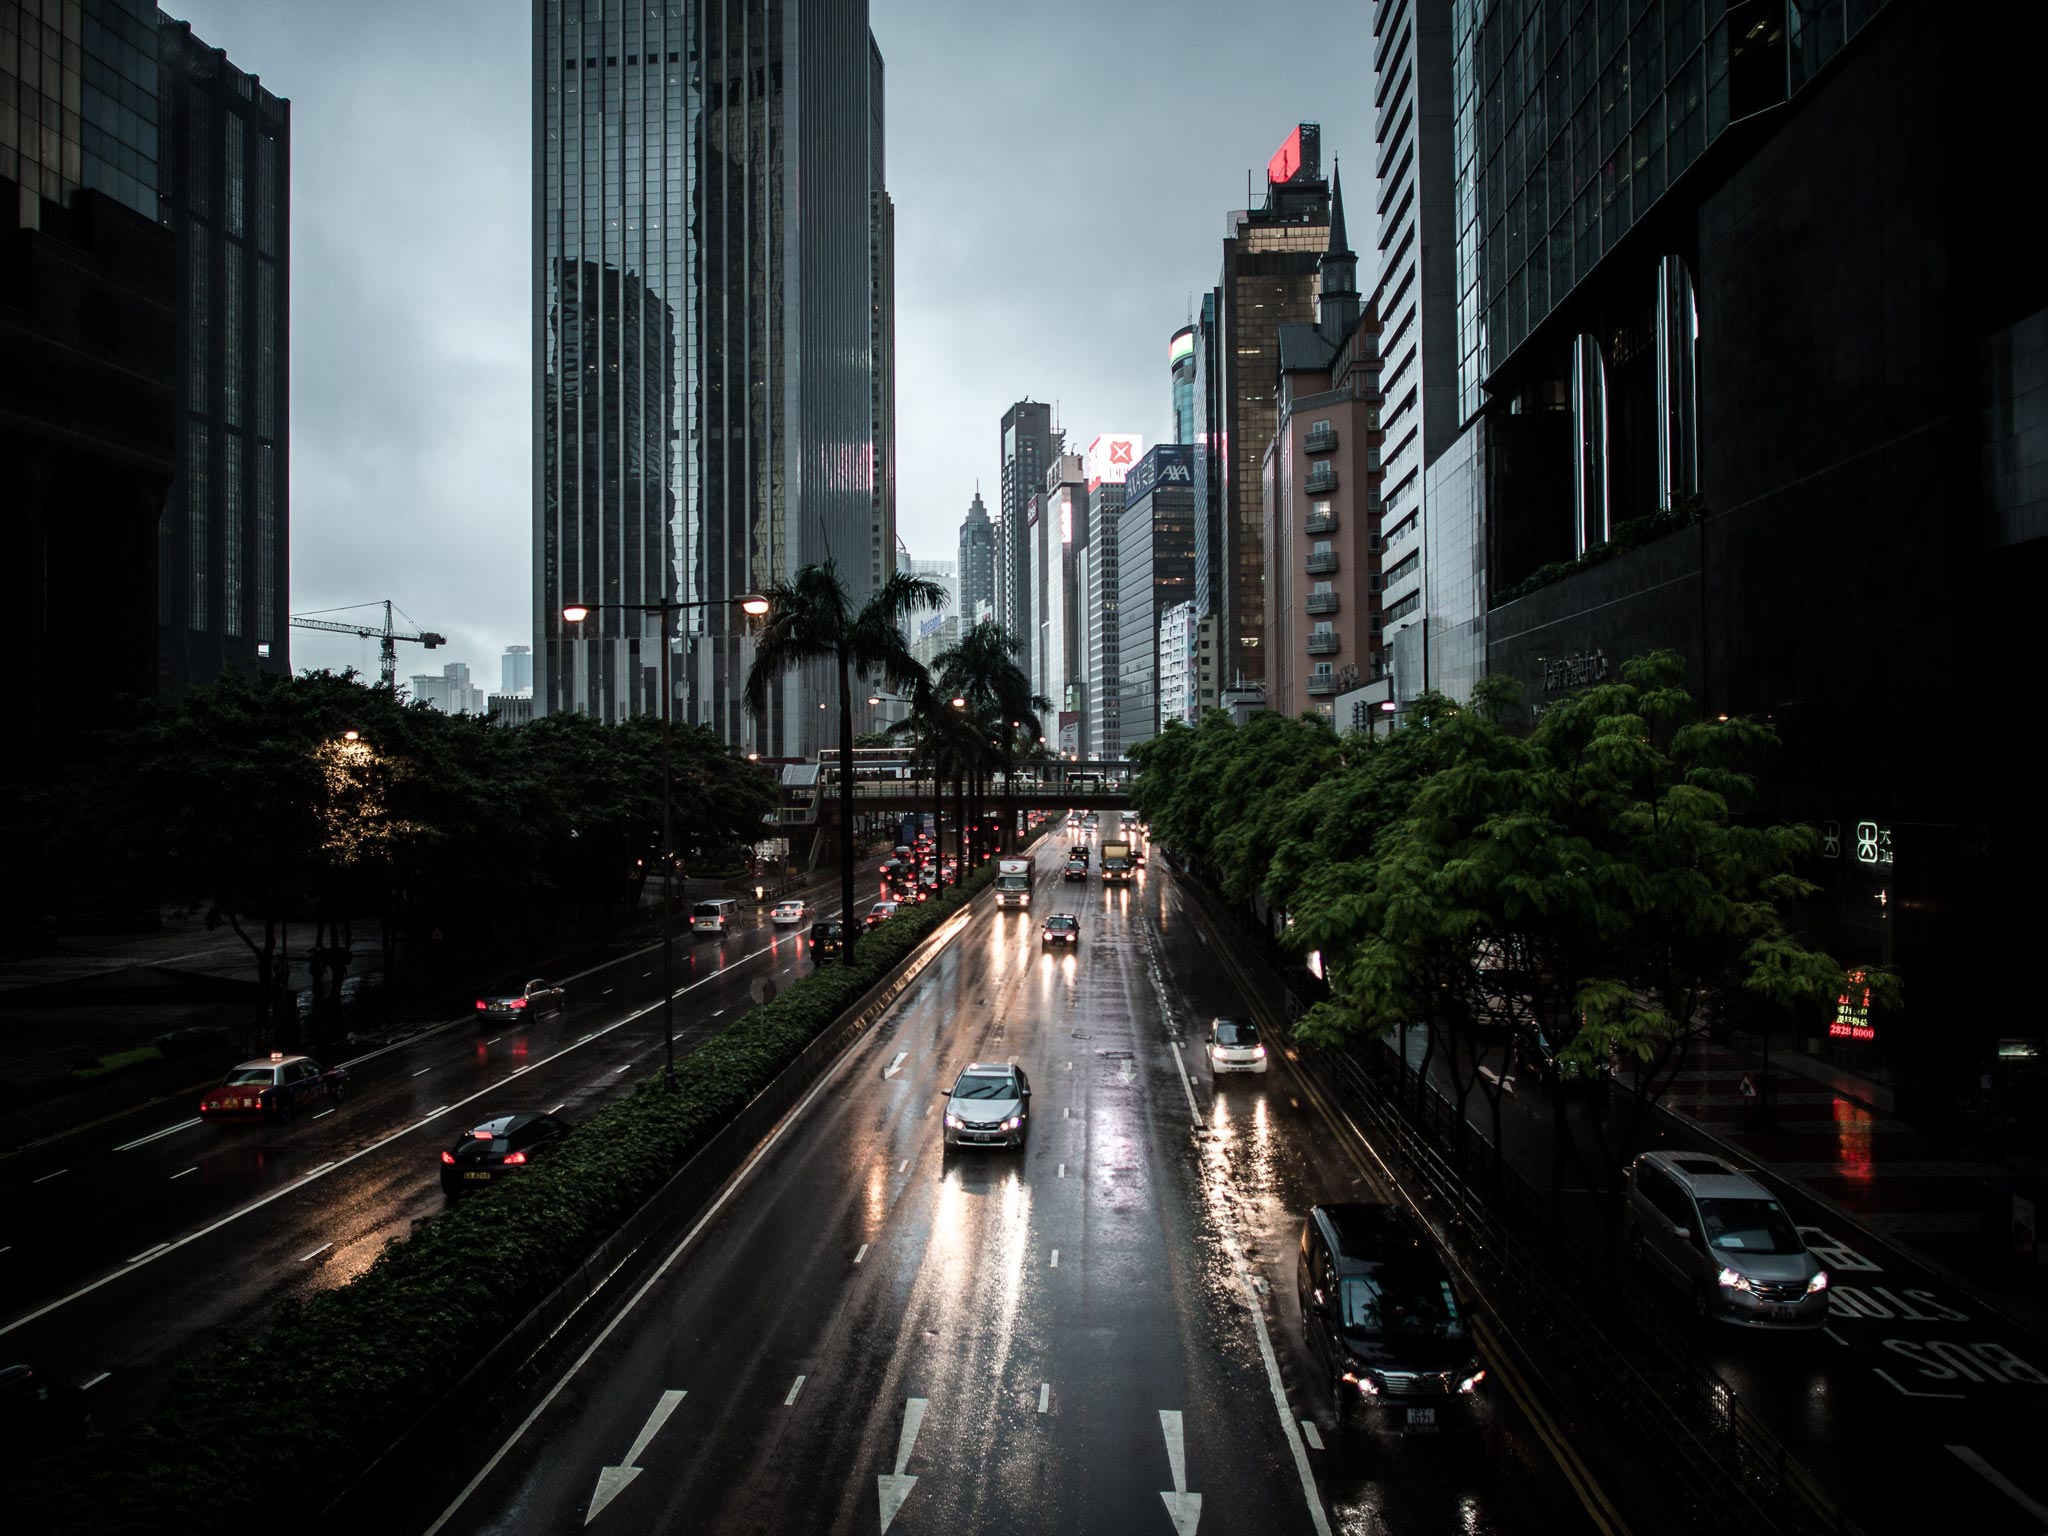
(812, 619)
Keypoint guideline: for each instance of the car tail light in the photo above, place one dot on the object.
(447, 1157)
(481, 1003)
(515, 1159)
(518, 1002)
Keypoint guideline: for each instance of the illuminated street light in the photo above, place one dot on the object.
(575, 613)
(351, 735)
(754, 605)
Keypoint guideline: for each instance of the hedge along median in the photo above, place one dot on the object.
(284, 1419)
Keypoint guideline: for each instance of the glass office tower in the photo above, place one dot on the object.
(704, 346)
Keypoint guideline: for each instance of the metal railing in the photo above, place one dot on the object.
(1322, 602)
(1322, 685)
(1324, 645)
(1320, 478)
(1321, 522)
(1322, 562)
(1320, 440)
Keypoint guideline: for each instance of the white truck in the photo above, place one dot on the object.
(1013, 883)
(1116, 862)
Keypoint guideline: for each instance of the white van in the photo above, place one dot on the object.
(713, 916)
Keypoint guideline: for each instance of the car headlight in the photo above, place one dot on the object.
(1818, 1283)
(1471, 1383)
(1013, 1122)
(1367, 1387)
(1733, 1280)
(1259, 1053)
(952, 1121)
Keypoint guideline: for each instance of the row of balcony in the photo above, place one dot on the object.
(1322, 522)
(1322, 562)
(1323, 645)
(1322, 602)
(1321, 685)
(1321, 439)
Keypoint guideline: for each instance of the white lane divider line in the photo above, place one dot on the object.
(1055, 1258)
(423, 1071)
(49, 1176)
(626, 1068)
(315, 1253)
(169, 1130)
(607, 992)
(1184, 1509)
(794, 1388)
(904, 1166)
(323, 1114)
(716, 1012)
(88, 1386)
(557, 1109)
(320, 1170)
(159, 1248)
(1997, 1479)
(1063, 1170)
(1044, 1396)
(1067, 1114)
(612, 1481)
(193, 1169)
(895, 1066)
(1836, 1337)
(494, 1040)
(645, 974)
(894, 1488)
(862, 1254)
(1311, 1434)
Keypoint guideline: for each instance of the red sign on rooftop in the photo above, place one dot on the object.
(1286, 159)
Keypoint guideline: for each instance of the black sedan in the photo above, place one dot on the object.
(1077, 869)
(828, 940)
(501, 1147)
(530, 1001)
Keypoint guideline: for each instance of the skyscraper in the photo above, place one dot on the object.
(1109, 460)
(882, 333)
(705, 403)
(515, 669)
(1027, 451)
(977, 561)
(1268, 280)
(1180, 363)
(1155, 571)
(224, 563)
(1417, 286)
(89, 422)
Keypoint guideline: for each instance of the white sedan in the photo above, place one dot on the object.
(787, 914)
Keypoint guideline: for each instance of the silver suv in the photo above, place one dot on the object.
(988, 1106)
(1726, 1241)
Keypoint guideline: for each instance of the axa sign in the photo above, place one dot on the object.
(1168, 464)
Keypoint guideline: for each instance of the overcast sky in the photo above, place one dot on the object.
(1061, 173)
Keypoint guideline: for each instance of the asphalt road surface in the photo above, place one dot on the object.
(1097, 1334)
(125, 1246)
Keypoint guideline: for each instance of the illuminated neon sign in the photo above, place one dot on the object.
(1182, 345)
(1286, 159)
(1852, 1012)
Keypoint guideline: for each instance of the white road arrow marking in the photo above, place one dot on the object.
(895, 1487)
(1182, 1507)
(612, 1481)
(895, 1066)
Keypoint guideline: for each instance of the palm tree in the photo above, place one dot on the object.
(982, 668)
(811, 618)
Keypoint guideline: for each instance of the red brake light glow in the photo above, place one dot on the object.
(447, 1157)
(481, 1003)
(514, 1159)
(518, 1002)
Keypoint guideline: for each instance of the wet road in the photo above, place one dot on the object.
(1910, 1371)
(874, 1335)
(126, 1245)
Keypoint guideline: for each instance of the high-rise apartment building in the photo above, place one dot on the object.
(977, 561)
(224, 548)
(1028, 448)
(1108, 461)
(1057, 524)
(705, 404)
(946, 574)
(1180, 364)
(1155, 572)
(1187, 665)
(1323, 509)
(89, 421)
(1208, 458)
(1268, 280)
(1416, 298)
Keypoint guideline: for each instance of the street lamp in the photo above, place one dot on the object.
(754, 604)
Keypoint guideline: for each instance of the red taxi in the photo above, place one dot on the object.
(273, 1088)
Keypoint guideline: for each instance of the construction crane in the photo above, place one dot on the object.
(387, 636)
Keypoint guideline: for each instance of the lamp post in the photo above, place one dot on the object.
(754, 606)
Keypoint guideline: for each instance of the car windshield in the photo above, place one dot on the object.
(1063, 922)
(250, 1077)
(1749, 1226)
(1231, 1032)
(984, 1088)
(1402, 1306)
